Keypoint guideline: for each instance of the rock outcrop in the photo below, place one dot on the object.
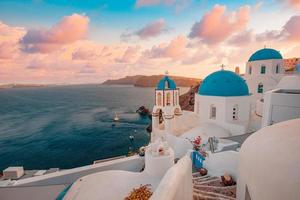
(151, 81)
(187, 100)
(128, 80)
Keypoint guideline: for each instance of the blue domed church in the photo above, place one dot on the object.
(264, 70)
(224, 99)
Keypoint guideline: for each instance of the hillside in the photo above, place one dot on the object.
(151, 81)
(128, 80)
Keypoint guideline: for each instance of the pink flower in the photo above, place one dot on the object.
(197, 140)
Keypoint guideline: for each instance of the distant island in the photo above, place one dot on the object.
(12, 85)
(151, 81)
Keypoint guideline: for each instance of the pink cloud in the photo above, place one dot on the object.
(242, 38)
(175, 49)
(129, 55)
(289, 32)
(9, 40)
(217, 25)
(68, 30)
(293, 3)
(7, 50)
(292, 29)
(153, 29)
(269, 36)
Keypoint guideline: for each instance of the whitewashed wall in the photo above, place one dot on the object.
(270, 79)
(177, 183)
(280, 107)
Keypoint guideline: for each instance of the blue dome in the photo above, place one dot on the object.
(265, 54)
(166, 83)
(223, 83)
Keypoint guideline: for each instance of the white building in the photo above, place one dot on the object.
(266, 167)
(223, 99)
(282, 103)
(264, 70)
(269, 163)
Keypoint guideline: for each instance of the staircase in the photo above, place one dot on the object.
(211, 188)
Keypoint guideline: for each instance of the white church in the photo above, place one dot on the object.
(249, 126)
(232, 104)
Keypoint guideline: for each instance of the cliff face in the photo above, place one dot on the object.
(187, 100)
(128, 80)
(151, 81)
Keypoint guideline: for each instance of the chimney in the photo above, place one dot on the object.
(237, 70)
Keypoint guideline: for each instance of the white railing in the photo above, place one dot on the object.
(132, 163)
(177, 182)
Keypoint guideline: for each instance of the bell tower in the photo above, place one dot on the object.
(166, 108)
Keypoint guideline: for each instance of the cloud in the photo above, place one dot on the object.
(179, 5)
(290, 32)
(153, 29)
(292, 29)
(87, 50)
(68, 30)
(9, 40)
(7, 50)
(130, 55)
(146, 3)
(293, 3)
(242, 38)
(217, 25)
(175, 49)
(269, 36)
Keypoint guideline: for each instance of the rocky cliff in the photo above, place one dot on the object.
(128, 80)
(187, 100)
(151, 81)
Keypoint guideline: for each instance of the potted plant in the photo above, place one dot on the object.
(199, 146)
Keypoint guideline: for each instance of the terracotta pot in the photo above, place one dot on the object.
(203, 171)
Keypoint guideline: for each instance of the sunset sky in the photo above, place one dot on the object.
(89, 41)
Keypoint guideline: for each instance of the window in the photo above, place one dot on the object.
(263, 69)
(159, 99)
(213, 112)
(250, 69)
(168, 99)
(235, 112)
(166, 85)
(260, 88)
(277, 69)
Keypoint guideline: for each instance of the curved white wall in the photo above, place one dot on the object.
(269, 163)
(177, 183)
(179, 145)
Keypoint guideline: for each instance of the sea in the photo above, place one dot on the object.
(71, 126)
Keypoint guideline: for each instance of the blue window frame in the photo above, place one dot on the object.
(260, 88)
(277, 69)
